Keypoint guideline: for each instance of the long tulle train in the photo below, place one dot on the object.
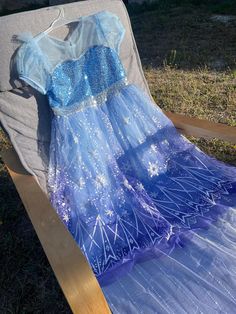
(197, 278)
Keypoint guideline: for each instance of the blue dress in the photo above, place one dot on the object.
(153, 214)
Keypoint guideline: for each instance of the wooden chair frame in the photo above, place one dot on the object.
(71, 268)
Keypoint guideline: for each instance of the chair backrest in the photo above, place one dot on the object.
(25, 115)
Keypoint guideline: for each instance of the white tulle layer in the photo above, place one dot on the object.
(199, 278)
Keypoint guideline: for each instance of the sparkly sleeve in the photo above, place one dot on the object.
(30, 67)
(112, 29)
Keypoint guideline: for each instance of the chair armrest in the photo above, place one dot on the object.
(202, 128)
(71, 268)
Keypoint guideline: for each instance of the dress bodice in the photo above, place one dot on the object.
(85, 81)
(82, 70)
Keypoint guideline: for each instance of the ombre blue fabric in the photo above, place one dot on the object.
(142, 202)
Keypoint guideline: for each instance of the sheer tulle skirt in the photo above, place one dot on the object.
(197, 278)
(142, 201)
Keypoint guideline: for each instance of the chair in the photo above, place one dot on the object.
(25, 117)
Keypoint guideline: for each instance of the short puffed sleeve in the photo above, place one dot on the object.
(30, 65)
(112, 29)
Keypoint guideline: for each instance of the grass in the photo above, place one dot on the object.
(189, 62)
(199, 93)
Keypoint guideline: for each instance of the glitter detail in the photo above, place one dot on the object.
(127, 185)
(92, 101)
(140, 187)
(153, 169)
(154, 148)
(126, 120)
(109, 212)
(101, 181)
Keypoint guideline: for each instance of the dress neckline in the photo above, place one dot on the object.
(57, 40)
(42, 35)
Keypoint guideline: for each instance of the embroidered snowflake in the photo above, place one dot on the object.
(153, 169)
(126, 120)
(153, 194)
(76, 140)
(154, 148)
(125, 213)
(165, 142)
(65, 217)
(127, 185)
(109, 212)
(140, 187)
(141, 140)
(101, 181)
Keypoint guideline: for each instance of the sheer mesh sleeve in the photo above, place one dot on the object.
(31, 68)
(112, 29)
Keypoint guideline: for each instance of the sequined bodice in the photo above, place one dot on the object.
(85, 81)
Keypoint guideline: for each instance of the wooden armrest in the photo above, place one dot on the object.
(202, 128)
(71, 268)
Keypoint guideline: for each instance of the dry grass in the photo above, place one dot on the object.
(201, 93)
(189, 62)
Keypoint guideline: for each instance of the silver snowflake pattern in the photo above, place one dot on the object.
(153, 169)
(125, 213)
(109, 212)
(140, 187)
(154, 148)
(76, 140)
(153, 194)
(126, 120)
(101, 181)
(65, 217)
(165, 142)
(101, 242)
(141, 140)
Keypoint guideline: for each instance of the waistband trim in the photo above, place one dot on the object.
(92, 101)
